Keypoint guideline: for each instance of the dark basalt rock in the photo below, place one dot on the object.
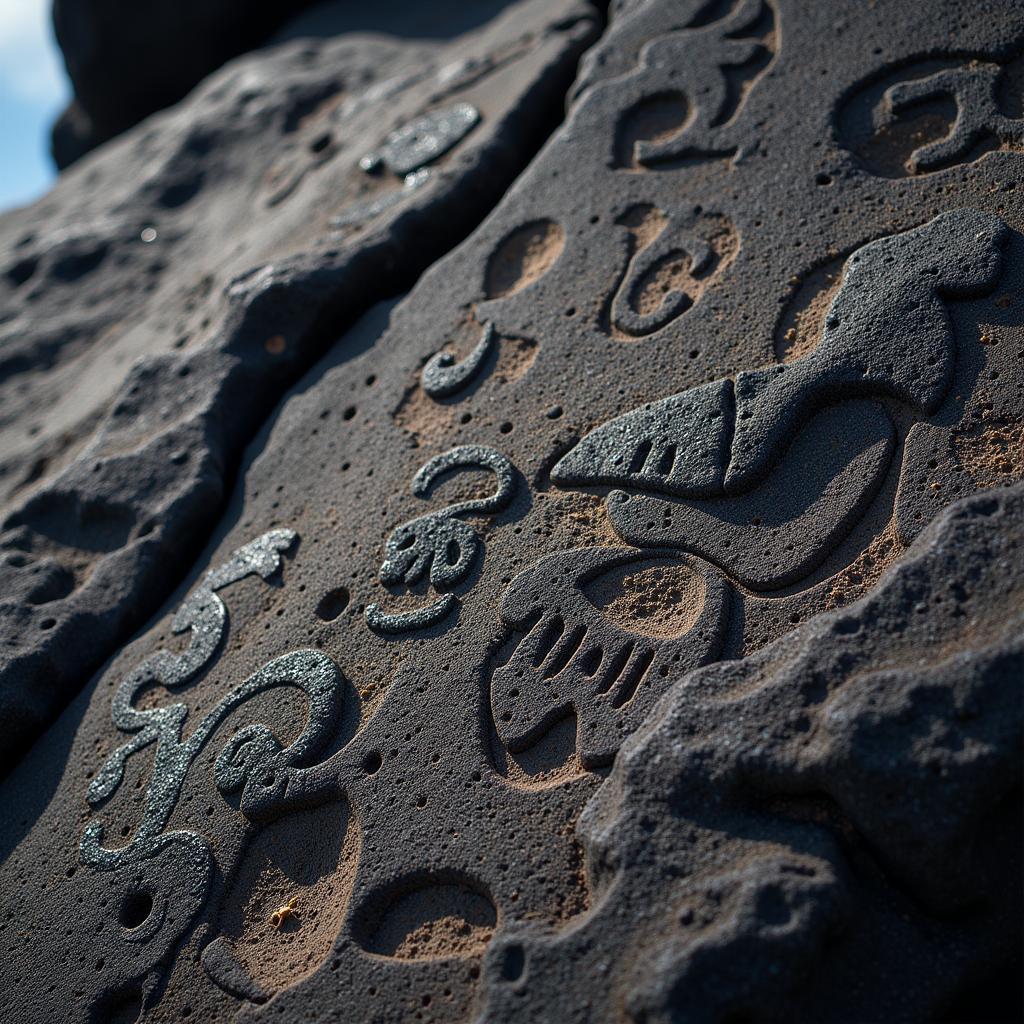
(726, 435)
(783, 824)
(623, 625)
(126, 61)
(171, 287)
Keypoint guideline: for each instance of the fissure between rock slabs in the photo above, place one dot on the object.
(450, 722)
(88, 558)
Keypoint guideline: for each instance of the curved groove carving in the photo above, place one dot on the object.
(522, 257)
(931, 115)
(438, 545)
(306, 861)
(783, 529)
(674, 259)
(691, 116)
(427, 918)
(252, 762)
(443, 376)
(723, 437)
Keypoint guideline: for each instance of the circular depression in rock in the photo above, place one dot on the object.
(522, 257)
(432, 920)
(659, 598)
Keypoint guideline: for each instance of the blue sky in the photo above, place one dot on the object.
(33, 90)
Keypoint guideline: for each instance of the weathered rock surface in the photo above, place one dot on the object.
(172, 286)
(624, 625)
(832, 813)
(126, 61)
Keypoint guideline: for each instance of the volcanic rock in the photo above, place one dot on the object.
(169, 289)
(126, 61)
(624, 624)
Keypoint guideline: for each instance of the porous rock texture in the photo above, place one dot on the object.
(167, 291)
(624, 624)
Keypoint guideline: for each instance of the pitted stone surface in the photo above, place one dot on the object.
(572, 656)
(810, 769)
(887, 333)
(798, 795)
(776, 534)
(168, 290)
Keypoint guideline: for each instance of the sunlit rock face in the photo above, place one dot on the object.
(174, 284)
(488, 545)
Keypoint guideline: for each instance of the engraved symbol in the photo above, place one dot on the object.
(692, 112)
(443, 376)
(722, 437)
(973, 88)
(584, 644)
(422, 141)
(932, 116)
(886, 335)
(285, 899)
(252, 761)
(439, 545)
(782, 529)
(674, 259)
(523, 257)
(405, 153)
(397, 921)
(361, 212)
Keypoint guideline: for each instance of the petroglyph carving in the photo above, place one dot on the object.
(285, 901)
(361, 212)
(422, 141)
(723, 437)
(252, 761)
(674, 258)
(425, 919)
(689, 114)
(443, 376)
(599, 631)
(522, 257)
(934, 114)
(781, 530)
(887, 334)
(438, 545)
(974, 89)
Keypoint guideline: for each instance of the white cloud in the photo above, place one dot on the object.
(30, 66)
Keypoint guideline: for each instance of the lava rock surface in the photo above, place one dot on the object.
(165, 294)
(624, 624)
(127, 61)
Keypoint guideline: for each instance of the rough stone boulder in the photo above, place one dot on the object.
(593, 596)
